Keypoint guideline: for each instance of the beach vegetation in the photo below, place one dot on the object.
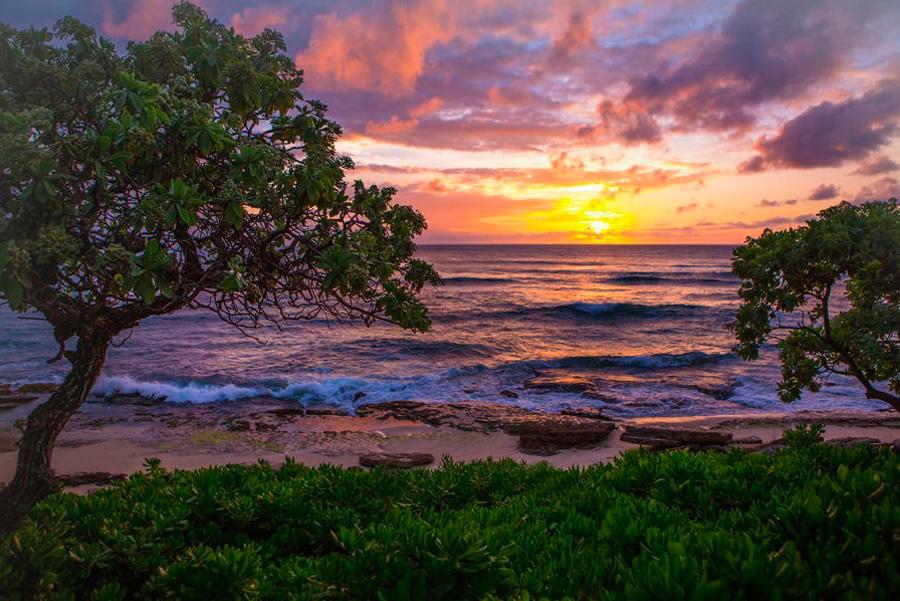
(186, 172)
(828, 294)
(811, 521)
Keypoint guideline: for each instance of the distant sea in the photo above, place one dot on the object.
(636, 330)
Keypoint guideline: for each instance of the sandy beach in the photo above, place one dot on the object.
(116, 435)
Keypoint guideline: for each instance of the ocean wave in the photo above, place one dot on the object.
(631, 310)
(176, 392)
(345, 392)
(475, 281)
(680, 279)
(415, 347)
(650, 361)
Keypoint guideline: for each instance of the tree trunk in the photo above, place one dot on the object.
(891, 399)
(33, 479)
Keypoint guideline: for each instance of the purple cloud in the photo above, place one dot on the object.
(765, 50)
(824, 192)
(830, 133)
(877, 165)
(882, 189)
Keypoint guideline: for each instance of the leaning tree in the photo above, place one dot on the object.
(186, 172)
(828, 294)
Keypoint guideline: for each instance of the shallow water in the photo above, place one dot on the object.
(638, 330)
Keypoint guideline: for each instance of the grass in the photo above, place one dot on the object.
(810, 522)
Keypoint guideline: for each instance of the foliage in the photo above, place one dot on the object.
(804, 435)
(187, 172)
(809, 522)
(792, 281)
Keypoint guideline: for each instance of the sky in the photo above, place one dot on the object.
(577, 121)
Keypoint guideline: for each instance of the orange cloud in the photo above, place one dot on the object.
(394, 125)
(381, 50)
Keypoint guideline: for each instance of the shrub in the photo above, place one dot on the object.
(811, 521)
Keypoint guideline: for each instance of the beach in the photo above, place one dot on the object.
(112, 437)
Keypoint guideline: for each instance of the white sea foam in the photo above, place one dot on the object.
(189, 392)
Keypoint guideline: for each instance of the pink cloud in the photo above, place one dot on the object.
(144, 18)
(255, 19)
(382, 50)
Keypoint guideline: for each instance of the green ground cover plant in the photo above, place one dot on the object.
(812, 521)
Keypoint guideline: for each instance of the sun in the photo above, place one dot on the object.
(599, 227)
(600, 222)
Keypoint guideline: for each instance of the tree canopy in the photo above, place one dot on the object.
(187, 172)
(829, 294)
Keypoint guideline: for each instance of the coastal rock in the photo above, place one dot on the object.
(682, 435)
(510, 394)
(550, 435)
(560, 383)
(11, 401)
(82, 478)
(388, 407)
(748, 440)
(586, 412)
(37, 388)
(396, 460)
(849, 441)
(325, 410)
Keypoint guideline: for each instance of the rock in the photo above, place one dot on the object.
(325, 410)
(397, 460)
(82, 478)
(586, 412)
(239, 425)
(769, 448)
(560, 383)
(655, 443)
(11, 401)
(545, 437)
(510, 394)
(747, 440)
(5, 389)
(849, 441)
(682, 435)
(389, 407)
(38, 387)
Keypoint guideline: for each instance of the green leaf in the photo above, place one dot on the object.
(234, 214)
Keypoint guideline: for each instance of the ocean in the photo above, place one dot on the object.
(634, 330)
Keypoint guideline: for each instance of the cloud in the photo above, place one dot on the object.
(768, 222)
(765, 203)
(142, 19)
(395, 125)
(382, 49)
(766, 50)
(882, 189)
(752, 165)
(577, 36)
(830, 133)
(686, 208)
(877, 165)
(625, 124)
(824, 192)
(255, 19)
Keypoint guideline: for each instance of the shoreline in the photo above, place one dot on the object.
(116, 436)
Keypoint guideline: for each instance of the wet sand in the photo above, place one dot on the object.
(117, 435)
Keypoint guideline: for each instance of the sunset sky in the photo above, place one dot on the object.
(519, 121)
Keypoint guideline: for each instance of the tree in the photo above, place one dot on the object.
(847, 259)
(186, 172)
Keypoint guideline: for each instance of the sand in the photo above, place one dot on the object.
(116, 436)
